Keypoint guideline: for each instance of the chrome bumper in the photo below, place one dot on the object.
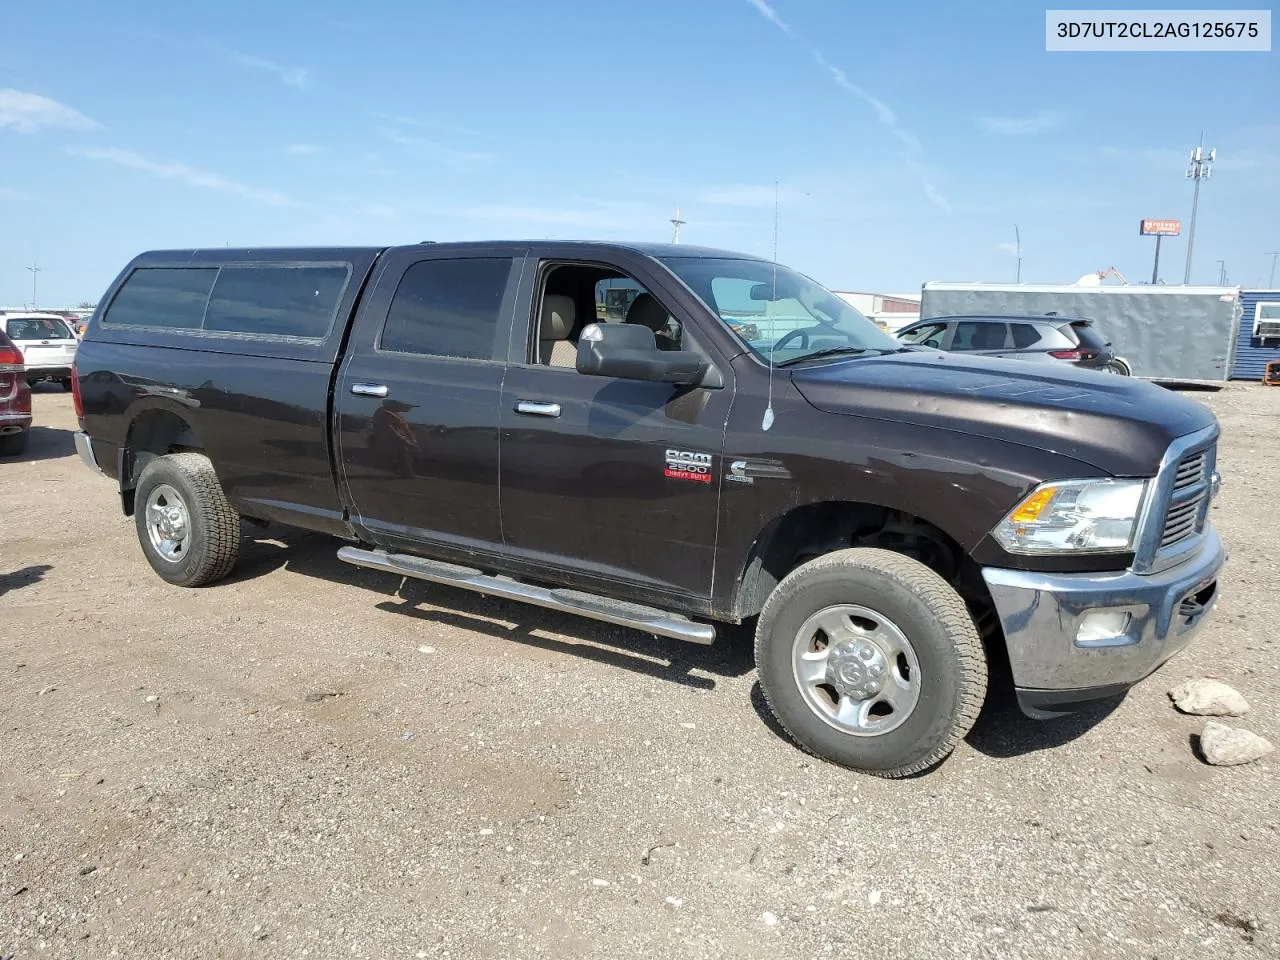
(1041, 614)
(84, 447)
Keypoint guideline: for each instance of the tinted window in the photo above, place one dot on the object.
(926, 334)
(1024, 335)
(282, 301)
(448, 308)
(978, 335)
(162, 297)
(1089, 336)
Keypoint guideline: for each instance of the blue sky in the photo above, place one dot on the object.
(906, 139)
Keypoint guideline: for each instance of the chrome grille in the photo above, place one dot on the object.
(1189, 495)
(1190, 470)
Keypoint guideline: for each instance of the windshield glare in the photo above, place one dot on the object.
(37, 328)
(776, 311)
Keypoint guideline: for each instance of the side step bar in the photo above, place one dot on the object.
(648, 619)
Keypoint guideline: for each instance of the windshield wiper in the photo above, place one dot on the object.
(825, 352)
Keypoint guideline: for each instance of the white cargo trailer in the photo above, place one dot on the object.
(1177, 334)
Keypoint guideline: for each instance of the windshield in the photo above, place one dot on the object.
(38, 328)
(776, 311)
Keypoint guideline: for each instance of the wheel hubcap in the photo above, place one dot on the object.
(856, 670)
(168, 523)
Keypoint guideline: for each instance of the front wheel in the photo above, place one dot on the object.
(869, 659)
(189, 532)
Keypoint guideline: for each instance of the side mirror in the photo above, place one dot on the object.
(630, 351)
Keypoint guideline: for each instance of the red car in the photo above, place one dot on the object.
(15, 399)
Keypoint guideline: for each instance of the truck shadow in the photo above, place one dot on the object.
(315, 555)
(1001, 731)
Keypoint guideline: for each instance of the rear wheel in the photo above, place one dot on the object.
(1119, 367)
(189, 532)
(869, 659)
(13, 444)
(66, 384)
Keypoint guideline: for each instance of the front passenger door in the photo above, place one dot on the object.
(616, 481)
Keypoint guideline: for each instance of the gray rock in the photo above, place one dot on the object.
(1225, 746)
(1208, 698)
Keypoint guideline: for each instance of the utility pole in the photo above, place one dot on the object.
(1222, 273)
(1017, 245)
(35, 275)
(676, 223)
(1200, 167)
(1271, 284)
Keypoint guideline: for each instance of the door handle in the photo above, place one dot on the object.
(369, 389)
(537, 408)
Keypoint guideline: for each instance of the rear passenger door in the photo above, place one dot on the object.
(984, 337)
(417, 400)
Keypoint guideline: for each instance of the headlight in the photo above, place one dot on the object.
(1074, 516)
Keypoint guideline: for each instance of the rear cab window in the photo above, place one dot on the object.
(286, 301)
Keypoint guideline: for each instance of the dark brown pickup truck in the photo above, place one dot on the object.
(586, 427)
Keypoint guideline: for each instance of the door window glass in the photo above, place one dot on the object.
(978, 335)
(448, 308)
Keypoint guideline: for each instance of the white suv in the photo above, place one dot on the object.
(47, 343)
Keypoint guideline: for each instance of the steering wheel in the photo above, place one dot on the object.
(801, 335)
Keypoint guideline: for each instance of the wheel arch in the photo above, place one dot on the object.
(153, 432)
(809, 530)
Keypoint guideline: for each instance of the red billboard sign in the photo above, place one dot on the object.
(1160, 228)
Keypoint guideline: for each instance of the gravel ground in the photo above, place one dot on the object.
(312, 760)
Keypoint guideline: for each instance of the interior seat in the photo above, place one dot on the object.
(647, 311)
(554, 330)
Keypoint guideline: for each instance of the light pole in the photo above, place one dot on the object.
(35, 275)
(1017, 246)
(1271, 283)
(1222, 273)
(1200, 167)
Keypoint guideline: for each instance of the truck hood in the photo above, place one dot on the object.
(1117, 424)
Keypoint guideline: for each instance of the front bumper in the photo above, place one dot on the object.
(1055, 670)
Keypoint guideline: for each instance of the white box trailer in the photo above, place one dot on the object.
(1176, 334)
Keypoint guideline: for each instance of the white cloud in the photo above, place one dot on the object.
(304, 149)
(297, 77)
(883, 113)
(914, 152)
(29, 112)
(185, 174)
(771, 15)
(1038, 122)
(1010, 248)
(431, 150)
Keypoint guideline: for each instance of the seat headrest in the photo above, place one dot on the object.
(647, 311)
(557, 317)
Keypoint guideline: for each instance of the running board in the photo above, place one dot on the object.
(648, 619)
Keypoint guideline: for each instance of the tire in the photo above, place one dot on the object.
(13, 444)
(66, 384)
(210, 529)
(942, 661)
(1119, 367)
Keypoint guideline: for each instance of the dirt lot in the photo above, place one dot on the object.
(317, 761)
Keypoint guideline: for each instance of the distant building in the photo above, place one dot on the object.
(890, 311)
